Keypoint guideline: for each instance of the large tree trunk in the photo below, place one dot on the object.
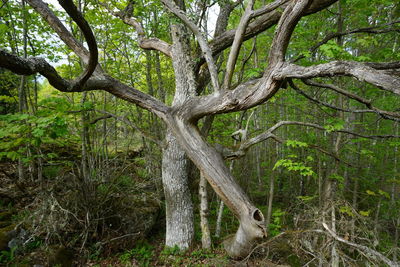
(212, 165)
(179, 207)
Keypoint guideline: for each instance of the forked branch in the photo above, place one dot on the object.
(201, 39)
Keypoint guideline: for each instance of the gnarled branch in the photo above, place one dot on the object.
(358, 70)
(55, 23)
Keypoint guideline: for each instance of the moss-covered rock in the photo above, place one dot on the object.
(5, 236)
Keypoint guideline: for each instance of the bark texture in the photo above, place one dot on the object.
(178, 202)
(179, 206)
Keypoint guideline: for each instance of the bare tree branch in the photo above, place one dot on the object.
(145, 43)
(201, 39)
(244, 146)
(34, 65)
(319, 102)
(268, 8)
(264, 21)
(237, 42)
(360, 99)
(104, 82)
(358, 70)
(369, 30)
(384, 65)
(365, 249)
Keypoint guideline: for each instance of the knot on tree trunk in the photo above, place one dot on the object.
(251, 229)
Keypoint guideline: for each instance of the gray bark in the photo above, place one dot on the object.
(179, 207)
(205, 228)
(178, 202)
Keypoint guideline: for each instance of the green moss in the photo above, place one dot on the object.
(6, 215)
(4, 224)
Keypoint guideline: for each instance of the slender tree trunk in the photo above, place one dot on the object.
(271, 190)
(22, 99)
(393, 201)
(219, 219)
(205, 228)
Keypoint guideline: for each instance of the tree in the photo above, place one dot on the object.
(182, 118)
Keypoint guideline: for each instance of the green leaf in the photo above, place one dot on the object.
(383, 193)
(346, 210)
(306, 198)
(365, 213)
(295, 143)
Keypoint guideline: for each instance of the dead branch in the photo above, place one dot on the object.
(365, 249)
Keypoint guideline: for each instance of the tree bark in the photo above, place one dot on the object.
(179, 206)
(205, 228)
(178, 202)
(211, 163)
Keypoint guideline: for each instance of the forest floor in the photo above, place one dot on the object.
(17, 202)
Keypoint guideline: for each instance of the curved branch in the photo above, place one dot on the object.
(358, 70)
(104, 82)
(34, 65)
(76, 15)
(145, 43)
(55, 23)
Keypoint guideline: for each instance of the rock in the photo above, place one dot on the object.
(18, 240)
